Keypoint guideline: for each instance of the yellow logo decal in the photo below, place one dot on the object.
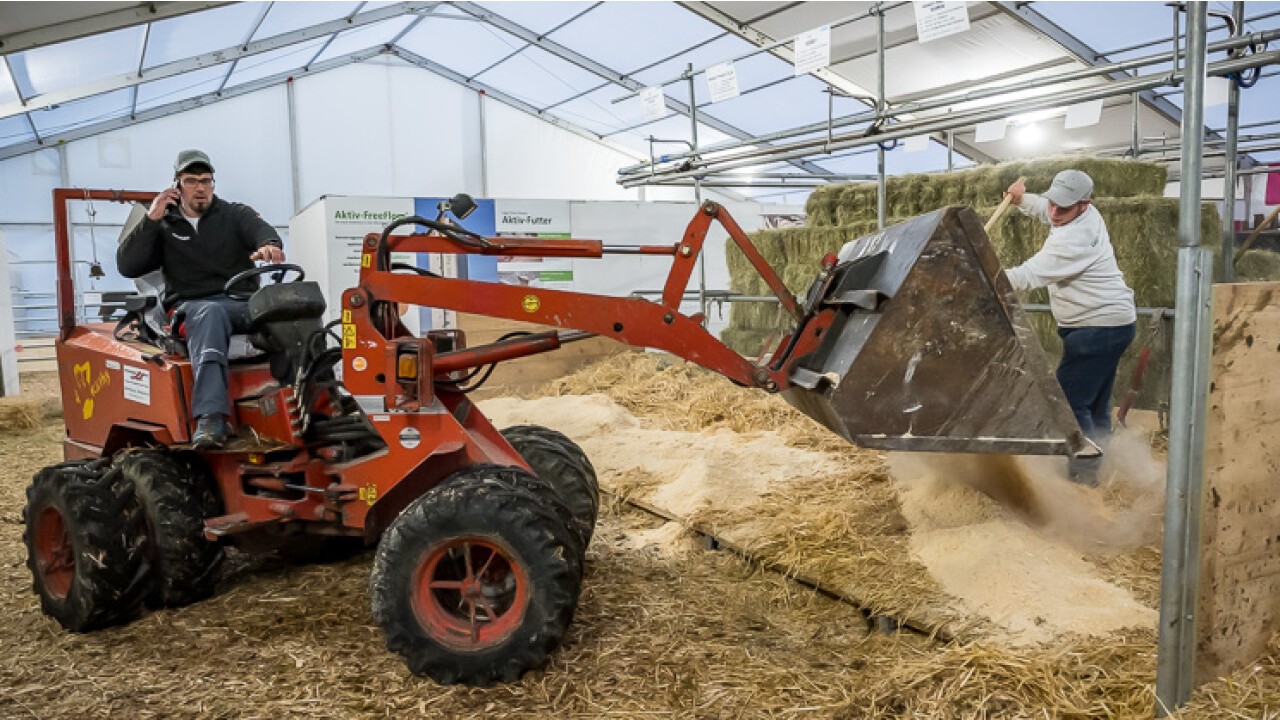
(348, 337)
(369, 494)
(531, 303)
(88, 387)
(346, 316)
(366, 260)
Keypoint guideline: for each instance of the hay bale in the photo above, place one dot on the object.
(20, 413)
(909, 195)
(1258, 266)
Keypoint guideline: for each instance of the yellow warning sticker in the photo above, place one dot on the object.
(369, 494)
(348, 336)
(366, 260)
(531, 303)
(346, 316)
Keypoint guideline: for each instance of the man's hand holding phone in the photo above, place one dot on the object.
(160, 205)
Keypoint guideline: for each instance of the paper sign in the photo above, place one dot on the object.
(137, 384)
(655, 103)
(1083, 114)
(1216, 91)
(936, 20)
(990, 131)
(722, 82)
(916, 143)
(813, 50)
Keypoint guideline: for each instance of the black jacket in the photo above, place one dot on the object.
(196, 263)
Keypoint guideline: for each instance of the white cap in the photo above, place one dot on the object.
(1069, 187)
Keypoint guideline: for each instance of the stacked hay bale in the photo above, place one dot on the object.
(1143, 227)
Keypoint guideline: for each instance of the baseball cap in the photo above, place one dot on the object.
(187, 158)
(1069, 187)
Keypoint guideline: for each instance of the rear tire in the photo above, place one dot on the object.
(476, 581)
(554, 437)
(86, 544)
(559, 461)
(177, 494)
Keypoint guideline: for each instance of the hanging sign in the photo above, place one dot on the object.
(936, 20)
(1083, 114)
(990, 131)
(1216, 91)
(722, 82)
(655, 104)
(813, 50)
(916, 143)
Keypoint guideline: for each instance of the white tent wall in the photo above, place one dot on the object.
(380, 127)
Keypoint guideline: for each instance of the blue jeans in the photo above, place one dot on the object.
(210, 323)
(1087, 373)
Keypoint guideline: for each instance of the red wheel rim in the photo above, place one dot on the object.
(55, 557)
(470, 593)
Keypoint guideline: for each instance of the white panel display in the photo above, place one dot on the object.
(326, 239)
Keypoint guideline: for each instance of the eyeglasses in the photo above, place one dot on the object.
(192, 183)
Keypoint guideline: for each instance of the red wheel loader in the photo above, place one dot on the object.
(910, 340)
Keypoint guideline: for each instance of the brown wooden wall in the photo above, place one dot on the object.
(1239, 604)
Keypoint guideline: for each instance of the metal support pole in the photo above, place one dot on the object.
(1192, 344)
(697, 191)
(1227, 264)
(881, 199)
(293, 146)
(951, 150)
(1137, 135)
(484, 146)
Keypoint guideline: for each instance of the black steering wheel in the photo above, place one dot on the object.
(241, 293)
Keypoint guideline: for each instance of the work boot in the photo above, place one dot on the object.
(211, 432)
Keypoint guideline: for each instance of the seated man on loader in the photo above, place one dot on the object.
(1088, 296)
(201, 241)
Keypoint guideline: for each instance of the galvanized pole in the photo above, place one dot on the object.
(881, 200)
(294, 175)
(697, 191)
(951, 150)
(1137, 136)
(1192, 344)
(1227, 262)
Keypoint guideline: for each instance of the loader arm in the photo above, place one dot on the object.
(633, 321)
(911, 339)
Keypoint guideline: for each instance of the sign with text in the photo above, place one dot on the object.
(813, 50)
(935, 20)
(722, 82)
(655, 105)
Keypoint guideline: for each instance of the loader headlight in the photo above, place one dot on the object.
(407, 367)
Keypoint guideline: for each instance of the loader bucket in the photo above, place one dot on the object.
(929, 350)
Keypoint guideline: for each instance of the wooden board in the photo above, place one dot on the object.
(525, 374)
(1239, 602)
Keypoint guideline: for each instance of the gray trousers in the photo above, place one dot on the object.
(210, 323)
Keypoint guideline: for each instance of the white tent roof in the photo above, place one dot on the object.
(76, 69)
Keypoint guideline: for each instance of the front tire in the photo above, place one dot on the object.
(86, 544)
(177, 494)
(475, 581)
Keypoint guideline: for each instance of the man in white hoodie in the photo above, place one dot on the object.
(1088, 296)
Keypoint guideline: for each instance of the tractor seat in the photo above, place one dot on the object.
(157, 323)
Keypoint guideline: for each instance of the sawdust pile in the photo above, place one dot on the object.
(910, 547)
